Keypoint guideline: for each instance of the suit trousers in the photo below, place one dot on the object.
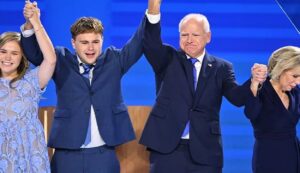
(101, 159)
(178, 161)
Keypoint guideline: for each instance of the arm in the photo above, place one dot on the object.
(253, 106)
(132, 50)
(238, 95)
(259, 74)
(156, 53)
(32, 15)
(134, 47)
(234, 93)
(29, 42)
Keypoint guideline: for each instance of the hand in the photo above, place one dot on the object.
(154, 6)
(259, 73)
(32, 14)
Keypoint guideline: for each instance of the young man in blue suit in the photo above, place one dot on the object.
(90, 117)
(183, 129)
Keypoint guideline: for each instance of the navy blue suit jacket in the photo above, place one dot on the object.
(276, 146)
(75, 95)
(177, 102)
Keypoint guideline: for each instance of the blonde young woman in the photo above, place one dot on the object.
(22, 142)
(274, 113)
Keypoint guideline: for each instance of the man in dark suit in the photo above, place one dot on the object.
(90, 117)
(183, 129)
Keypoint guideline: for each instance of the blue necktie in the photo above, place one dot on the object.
(193, 61)
(87, 68)
(86, 73)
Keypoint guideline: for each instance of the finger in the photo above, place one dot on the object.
(35, 4)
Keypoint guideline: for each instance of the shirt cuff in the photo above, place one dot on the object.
(153, 18)
(26, 33)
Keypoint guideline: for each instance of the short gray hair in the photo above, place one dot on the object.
(197, 16)
(283, 59)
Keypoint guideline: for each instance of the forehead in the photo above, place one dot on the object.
(11, 46)
(192, 24)
(88, 36)
(295, 70)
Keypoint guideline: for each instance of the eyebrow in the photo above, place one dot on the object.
(14, 51)
(89, 41)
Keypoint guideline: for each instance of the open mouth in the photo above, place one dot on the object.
(6, 63)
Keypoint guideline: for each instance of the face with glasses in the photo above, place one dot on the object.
(289, 79)
(193, 37)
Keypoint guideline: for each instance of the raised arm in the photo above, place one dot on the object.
(32, 16)
(154, 7)
(156, 53)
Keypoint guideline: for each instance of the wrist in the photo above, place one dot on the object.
(153, 12)
(38, 28)
(28, 25)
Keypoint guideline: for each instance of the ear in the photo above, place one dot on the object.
(73, 43)
(208, 38)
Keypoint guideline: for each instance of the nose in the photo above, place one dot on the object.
(189, 39)
(7, 56)
(91, 46)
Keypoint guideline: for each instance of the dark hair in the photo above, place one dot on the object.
(24, 64)
(86, 25)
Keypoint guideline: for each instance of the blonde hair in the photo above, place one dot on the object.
(24, 64)
(283, 59)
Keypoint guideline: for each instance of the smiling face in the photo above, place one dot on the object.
(10, 59)
(193, 36)
(88, 46)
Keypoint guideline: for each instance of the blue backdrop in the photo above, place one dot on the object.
(243, 32)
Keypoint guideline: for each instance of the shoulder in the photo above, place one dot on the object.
(63, 51)
(220, 62)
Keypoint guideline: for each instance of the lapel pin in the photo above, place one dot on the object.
(210, 65)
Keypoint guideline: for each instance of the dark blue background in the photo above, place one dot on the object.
(243, 32)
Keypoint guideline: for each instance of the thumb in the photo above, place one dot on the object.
(35, 4)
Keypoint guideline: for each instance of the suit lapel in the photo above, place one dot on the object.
(98, 67)
(208, 66)
(75, 66)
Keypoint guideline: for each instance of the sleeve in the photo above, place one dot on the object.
(157, 54)
(153, 19)
(236, 94)
(26, 33)
(32, 77)
(253, 106)
(32, 50)
(131, 51)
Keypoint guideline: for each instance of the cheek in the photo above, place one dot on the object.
(18, 60)
(79, 50)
